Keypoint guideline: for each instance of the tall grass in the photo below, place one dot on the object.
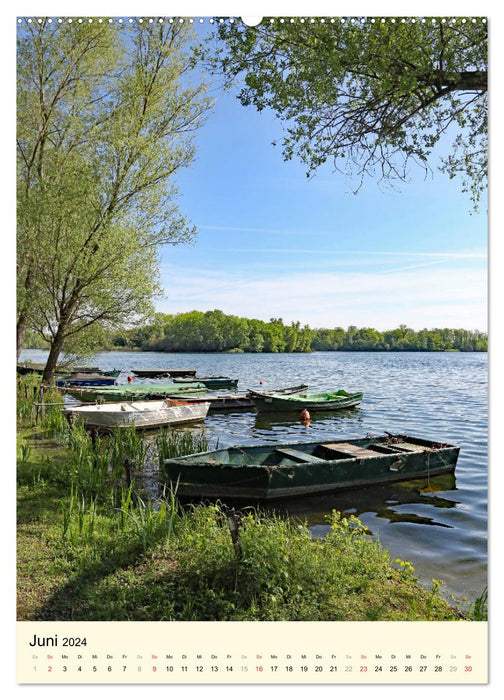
(479, 609)
(128, 444)
(91, 533)
(175, 443)
(103, 474)
(38, 405)
(88, 467)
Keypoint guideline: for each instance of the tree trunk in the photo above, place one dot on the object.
(54, 353)
(21, 327)
(24, 315)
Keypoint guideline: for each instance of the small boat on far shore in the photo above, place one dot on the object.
(271, 471)
(141, 414)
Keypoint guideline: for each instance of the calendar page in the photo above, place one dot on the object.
(252, 374)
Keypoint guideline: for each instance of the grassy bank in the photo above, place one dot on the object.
(92, 544)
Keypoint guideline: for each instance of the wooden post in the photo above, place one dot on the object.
(41, 403)
(234, 521)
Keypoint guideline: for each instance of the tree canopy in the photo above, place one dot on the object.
(215, 331)
(370, 95)
(106, 118)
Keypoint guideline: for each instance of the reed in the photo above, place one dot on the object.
(175, 443)
(67, 512)
(38, 405)
(128, 444)
(151, 524)
(126, 504)
(28, 393)
(479, 609)
(25, 452)
(87, 464)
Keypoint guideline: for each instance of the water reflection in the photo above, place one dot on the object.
(271, 421)
(384, 502)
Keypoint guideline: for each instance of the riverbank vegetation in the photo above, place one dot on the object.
(214, 331)
(96, 541)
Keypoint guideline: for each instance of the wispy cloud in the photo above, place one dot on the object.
(464, 255)
(247, 229)
(419, 296)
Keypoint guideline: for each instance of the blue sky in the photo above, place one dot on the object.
(272, 243)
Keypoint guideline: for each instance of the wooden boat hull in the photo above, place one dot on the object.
(38, 368)
(211, 382)
(127, 392)
(233, 402)
(147, 373)
(312, 402)
(140, 414)
(86, 380)
(284, 471)
(287, 390)
(103, 372)
(30, 368)
(221, 402)
(93, 370)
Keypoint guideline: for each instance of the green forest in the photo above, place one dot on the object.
(214, 331)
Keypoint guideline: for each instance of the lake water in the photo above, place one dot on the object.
(441, 528)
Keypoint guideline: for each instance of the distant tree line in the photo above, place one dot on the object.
(214, 331)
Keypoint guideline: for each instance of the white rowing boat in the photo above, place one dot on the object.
(141, 414)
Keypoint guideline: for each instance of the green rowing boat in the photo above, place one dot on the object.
(323, 401)
(133, 392)
(272, 471)
(210, 382)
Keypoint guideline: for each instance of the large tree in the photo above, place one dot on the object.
(369, 95)
(106, 118)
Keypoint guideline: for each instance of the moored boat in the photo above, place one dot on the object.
(141, 414)
(149, 373)
(210, 382)
(232, 402)
(38, 368)
(286, 390)
(131, 392)
(95, 370)
(322, 401)
(272, 471)
(85, 379)
(30, 367)
(221, 402)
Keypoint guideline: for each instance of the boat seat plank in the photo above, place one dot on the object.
(408, 446)
(349, 449)
(297, 455)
